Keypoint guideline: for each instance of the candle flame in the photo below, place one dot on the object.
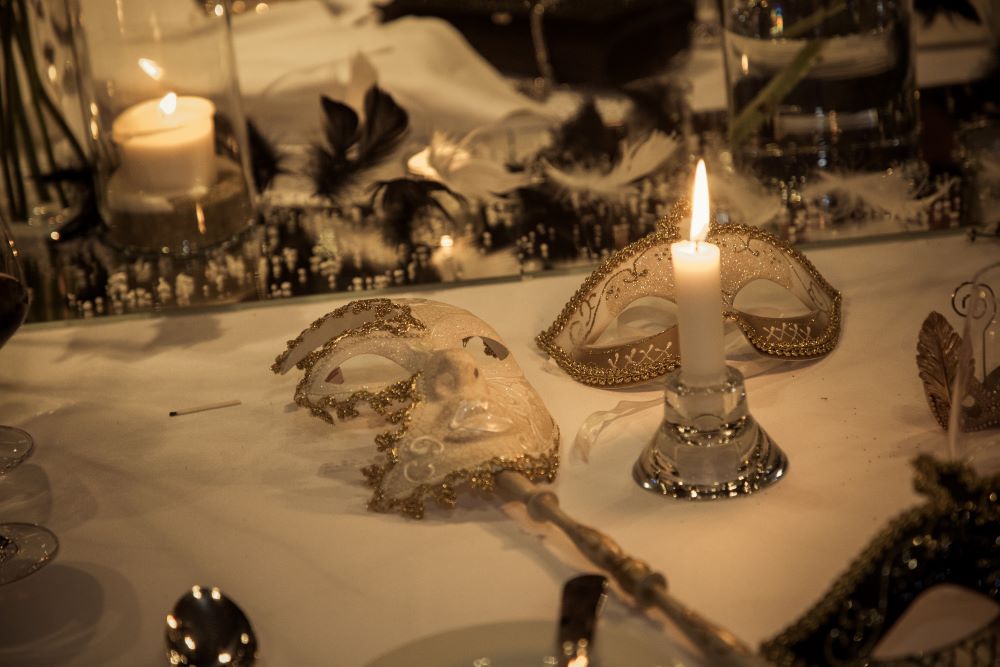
(447, 241)
(168, 105)
(700, 204)
(152, 70)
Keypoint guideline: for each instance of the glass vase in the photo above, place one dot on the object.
(165, 115)
(43, 160)
(820, 91)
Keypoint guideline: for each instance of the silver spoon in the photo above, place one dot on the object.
(207, 629)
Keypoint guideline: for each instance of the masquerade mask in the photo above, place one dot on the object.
(644, 269)
(463, 413)
(952, 539)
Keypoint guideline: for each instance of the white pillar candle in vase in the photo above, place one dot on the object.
(167, 146)
(698, 285)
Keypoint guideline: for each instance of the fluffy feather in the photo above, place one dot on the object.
(890, 193)
(638, 161)
(352, 146)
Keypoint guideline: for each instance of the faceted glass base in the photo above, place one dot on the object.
(15, 447)
(708, 445)
(24, 548)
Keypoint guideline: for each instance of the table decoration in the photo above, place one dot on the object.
(639, 160)
(164, 111)
(974, 414)
(949, 363)
(708, 444)
(462, 413)
(820, 86)
(464, 418)
(42, 134)
(952, 538)
(644, 269)
(979, 154)
(355, 142)
(457, 165)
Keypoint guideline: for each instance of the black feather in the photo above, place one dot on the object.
(265, 158)
(400, 199)
(386, 123)
(584, 139)
(350, 147)
(340, 125)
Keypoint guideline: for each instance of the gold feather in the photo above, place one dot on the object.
(937, 358)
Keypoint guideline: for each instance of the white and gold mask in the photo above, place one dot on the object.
(464, 413)
(645, 269)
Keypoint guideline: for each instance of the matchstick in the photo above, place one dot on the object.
(202, 408)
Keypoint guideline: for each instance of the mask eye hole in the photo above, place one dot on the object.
(487, 347)
(365, 370)
(954, 613)
(646, 316)
(768, 299)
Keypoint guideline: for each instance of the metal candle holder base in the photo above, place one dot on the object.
(708, 445)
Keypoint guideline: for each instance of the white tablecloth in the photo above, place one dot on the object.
(253, 498)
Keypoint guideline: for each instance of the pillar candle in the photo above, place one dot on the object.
(167, 146)
(699, 295)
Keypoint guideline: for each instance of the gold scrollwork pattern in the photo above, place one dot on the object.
(645, 268)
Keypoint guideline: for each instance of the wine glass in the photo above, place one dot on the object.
(15, 444)
(974, 419)
(24, 547)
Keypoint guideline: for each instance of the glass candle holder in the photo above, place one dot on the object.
(163, 108)
(708, 445)
(820, 85)
(978, 152)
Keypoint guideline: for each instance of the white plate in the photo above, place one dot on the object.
(527, 644)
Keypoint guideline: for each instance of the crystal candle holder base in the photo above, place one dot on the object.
(708, 445)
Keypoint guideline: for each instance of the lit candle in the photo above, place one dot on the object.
(167, 146)
(699, 295)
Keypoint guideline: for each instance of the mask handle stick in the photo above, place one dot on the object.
(646, 586)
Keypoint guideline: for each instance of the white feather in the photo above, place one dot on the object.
(638, 161)
(890, 193)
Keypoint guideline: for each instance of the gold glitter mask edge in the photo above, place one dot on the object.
(396, 402)
(630, 274)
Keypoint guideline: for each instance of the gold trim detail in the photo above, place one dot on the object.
(956, 530)
(393, 318)
(482, 477)
(395, 403)
(588, 298)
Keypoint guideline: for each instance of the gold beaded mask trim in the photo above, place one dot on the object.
(645, 269)
(953, 538)
(462, 412)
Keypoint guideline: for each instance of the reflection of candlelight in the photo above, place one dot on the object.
(445, 259)
(699, 295)
(168, 105)
(152, 70)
